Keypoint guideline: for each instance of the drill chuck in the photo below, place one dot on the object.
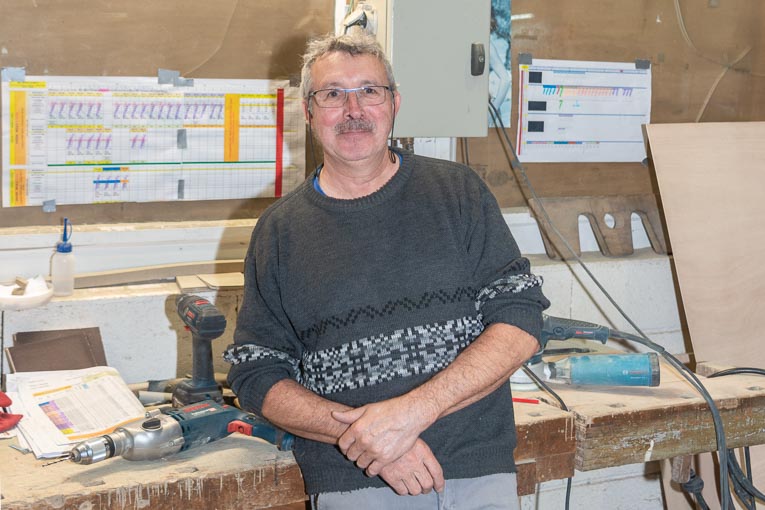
(93, 450)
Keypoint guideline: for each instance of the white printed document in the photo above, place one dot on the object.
(63, 407)
(573, 111)
(97, 139)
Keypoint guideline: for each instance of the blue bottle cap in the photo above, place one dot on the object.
(62, 247)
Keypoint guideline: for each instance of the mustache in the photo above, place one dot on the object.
(354, 125)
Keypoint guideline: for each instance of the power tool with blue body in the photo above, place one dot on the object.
(628, 369)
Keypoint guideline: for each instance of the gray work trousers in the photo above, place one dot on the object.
(496, 492)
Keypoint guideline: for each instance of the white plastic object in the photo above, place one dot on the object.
(62, 264)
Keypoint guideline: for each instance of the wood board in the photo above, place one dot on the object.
(712, 186)
(711, 181)
(614, 240)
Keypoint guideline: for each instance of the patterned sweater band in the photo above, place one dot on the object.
(513, 284)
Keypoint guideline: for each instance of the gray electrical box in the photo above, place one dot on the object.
(439, 50)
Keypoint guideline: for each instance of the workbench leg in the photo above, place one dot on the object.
(681, 468)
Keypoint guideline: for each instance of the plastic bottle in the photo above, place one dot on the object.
(62, 264)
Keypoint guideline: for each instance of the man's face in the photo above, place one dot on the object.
(351, 133)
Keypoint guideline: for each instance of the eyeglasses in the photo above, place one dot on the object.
(369, 95)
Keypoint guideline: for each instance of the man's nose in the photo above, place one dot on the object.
(353, 108)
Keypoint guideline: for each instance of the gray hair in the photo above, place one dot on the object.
(354, 43)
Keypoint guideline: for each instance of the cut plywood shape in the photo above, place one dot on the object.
(190, 283)
(223, 280)
(615, 239)
(711, 178)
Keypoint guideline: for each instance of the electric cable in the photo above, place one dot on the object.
(694, 486)
(743, 483)
(546, 387)
(515, 164)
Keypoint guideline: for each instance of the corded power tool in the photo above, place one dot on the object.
(629, 369)
(164, 432)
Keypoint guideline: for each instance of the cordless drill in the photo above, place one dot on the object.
(168, 431)
(206, 323)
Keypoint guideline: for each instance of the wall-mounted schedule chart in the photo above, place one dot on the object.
(85, 140)
(583, 111)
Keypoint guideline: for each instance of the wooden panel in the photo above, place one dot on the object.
(712, 182)
(689, 80)
(200, 39)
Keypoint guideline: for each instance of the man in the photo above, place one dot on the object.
(385, 306)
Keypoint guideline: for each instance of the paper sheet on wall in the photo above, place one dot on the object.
(582, 111)
(84, 140)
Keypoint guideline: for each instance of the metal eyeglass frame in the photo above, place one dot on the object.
(345, 100)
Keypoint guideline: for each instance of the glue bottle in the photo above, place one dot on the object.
(62, 264)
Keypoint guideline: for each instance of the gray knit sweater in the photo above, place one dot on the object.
(362, 300)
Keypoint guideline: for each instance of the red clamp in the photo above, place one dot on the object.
(7, 420)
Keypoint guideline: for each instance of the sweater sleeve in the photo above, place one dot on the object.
(266, 349)
(508, 292)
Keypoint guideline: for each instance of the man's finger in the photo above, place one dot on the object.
(436, 472)
(364, 460)
(412, 485)
(375, 468)
(349, 416)
(353, 452)
(425, 481)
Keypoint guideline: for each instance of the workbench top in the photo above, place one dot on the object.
(604, 427)
(626, 425)
(235, 472)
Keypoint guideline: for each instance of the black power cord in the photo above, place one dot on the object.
(515, 165)
(743, 485)
(538, 380)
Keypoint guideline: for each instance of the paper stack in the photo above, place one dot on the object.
(63, 407)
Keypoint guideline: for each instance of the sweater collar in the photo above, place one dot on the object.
(388, 190)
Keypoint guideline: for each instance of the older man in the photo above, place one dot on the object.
(386, 304)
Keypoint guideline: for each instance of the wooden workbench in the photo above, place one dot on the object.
(604, 428)
(615, 426)
(235, 473)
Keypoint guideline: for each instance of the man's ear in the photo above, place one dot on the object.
(307, 110)
(396, 103)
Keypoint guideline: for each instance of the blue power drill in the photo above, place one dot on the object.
(164, 432)
(599, 369)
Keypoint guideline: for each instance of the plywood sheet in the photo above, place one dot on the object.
(712, 182)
